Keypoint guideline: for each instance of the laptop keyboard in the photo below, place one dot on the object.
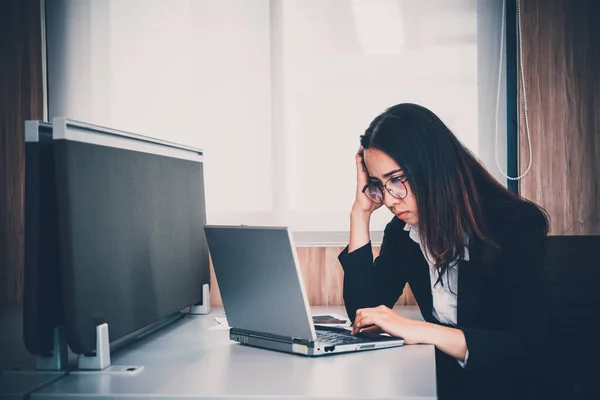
(338, 338)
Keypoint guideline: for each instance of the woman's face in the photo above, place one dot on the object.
(381, 169)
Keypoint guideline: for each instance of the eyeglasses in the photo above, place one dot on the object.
(395, 186)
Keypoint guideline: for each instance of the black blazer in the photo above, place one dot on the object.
(501, 307)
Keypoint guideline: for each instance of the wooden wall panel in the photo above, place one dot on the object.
(20, 99)
(561, 50)
(323, 277)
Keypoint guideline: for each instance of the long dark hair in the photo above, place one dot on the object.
(454, 193)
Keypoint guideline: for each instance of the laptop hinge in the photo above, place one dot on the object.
(278, 338)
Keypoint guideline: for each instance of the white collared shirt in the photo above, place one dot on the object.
(445, 297)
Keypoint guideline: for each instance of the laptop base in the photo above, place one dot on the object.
(307, 348)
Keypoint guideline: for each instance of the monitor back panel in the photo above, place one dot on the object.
(132, 244)
(42, 294)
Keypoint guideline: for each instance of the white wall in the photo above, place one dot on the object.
(276, 92)
(343, 63)
(189, 71)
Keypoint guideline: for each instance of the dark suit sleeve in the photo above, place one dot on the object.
(371, 284)
(519, 345)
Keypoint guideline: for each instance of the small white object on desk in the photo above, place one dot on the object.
(345, 325)
(222, 324)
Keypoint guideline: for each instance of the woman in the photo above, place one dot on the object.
(470, 250)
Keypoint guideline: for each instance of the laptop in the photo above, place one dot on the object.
(264, 296)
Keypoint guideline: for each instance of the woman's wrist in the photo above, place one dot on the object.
(359, 229)
(360, 215)
(429, 333)
(449, 340)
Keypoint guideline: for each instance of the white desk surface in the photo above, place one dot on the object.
(16, 385)
(186, 360)
(17, 374)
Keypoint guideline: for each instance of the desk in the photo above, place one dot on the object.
(16, 385)
(17, 374)
(187, 360)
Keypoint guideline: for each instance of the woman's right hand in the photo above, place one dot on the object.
(362, 204)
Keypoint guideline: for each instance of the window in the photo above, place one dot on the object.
(276, 92)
